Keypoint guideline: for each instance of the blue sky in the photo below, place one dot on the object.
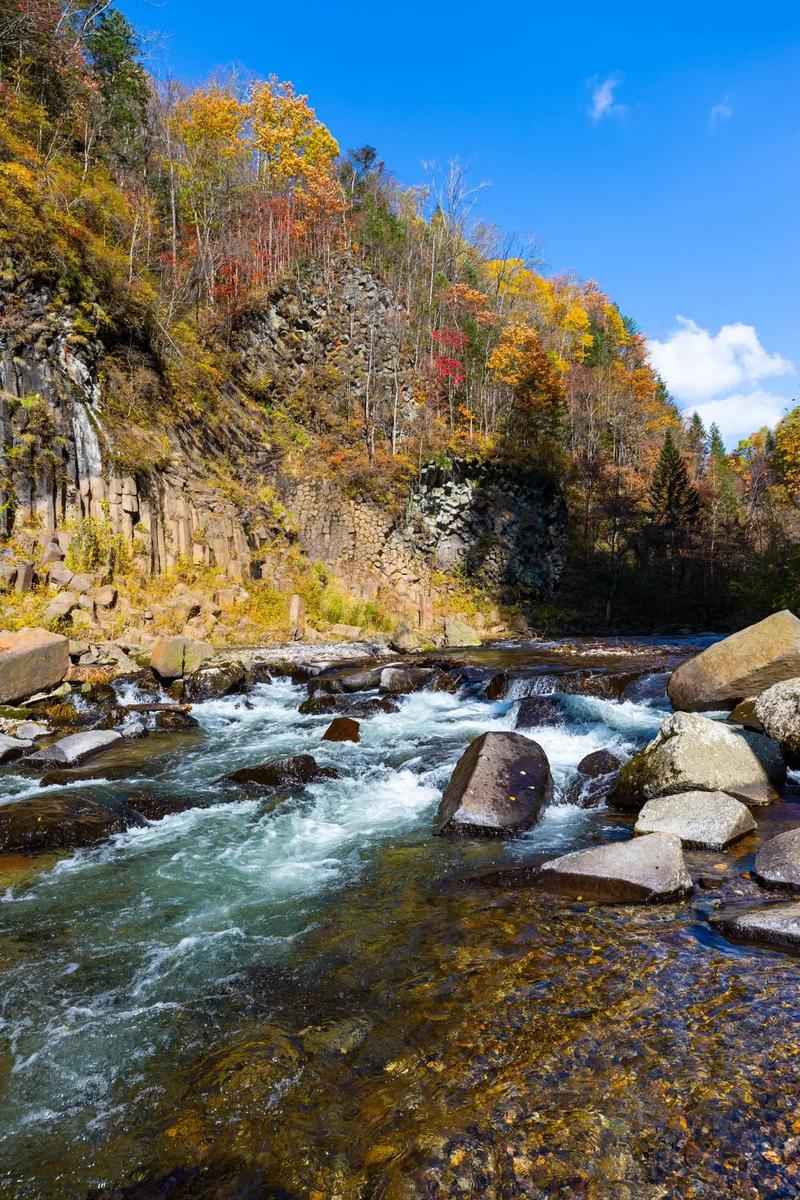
(653, 147)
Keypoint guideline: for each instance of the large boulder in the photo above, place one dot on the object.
(742, 665)
(692, 753)
(778, 861)
(500, 784)
(285, 771)
(13, 747)
(639, 871)
(173, 657)
(211, 682)
(399, 681)
(778, 711)
(539, 710)
(76, 748)
(53, 822)
(702, 820)
(342, 729)
(458, 633)
(31, 660)
(769, 924)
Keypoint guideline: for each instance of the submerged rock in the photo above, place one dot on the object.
(342, 729)
(693, 753)
(287, 770)
(539, 710)
(702, 820)
(742, 665)
(55, 823)
(75, 749)
(778, 711)
(778, 861)
(176, 718)
(500, 785)
(770, 924)
(642, 870)
(497, 687)
(31, 660)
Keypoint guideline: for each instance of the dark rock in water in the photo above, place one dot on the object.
(349, 680)
(500, 785)
(319, 704)
(539, 710)
(342, 729)
(602, 684)
(497, 686)
(769, 925)
(599, 762)
(449, 681)
(639, 871)
(175, 718)
(370, 707)
(597, 773)
(55, 823)
(209, 683)
(778, 861)
(399, 681)
(257, 673)
(287, 770)
(208, 1182)
(154, 807)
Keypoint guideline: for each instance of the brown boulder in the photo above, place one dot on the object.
(31, 660)
(500, 784)
(742, 665)
(55, 823)
(342, 729)
(287, 770)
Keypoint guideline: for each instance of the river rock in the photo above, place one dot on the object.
(405, 640)
(176, 719)
(744, 714)
(642, 870)
(778, 710)
(342, 729)
(31, 660)
(220, 680)
(55, 823)
(500, 784)
(769, 924)
(334, 682)
(284, 771)
(497, 687)
(12, 747)
(458, 633)
(595, 777)
(173, 657)
(778, 861)
(539, 710)
(742, 665)
(399, 681)
(693, 753)
(76, 748)
(702, 820)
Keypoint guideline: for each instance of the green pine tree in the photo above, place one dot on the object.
(673, 497)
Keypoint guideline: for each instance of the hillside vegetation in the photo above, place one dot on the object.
(172, 217)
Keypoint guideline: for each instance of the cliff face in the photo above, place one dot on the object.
(218, 491)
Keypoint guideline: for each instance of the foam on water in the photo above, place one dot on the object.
(125, 950)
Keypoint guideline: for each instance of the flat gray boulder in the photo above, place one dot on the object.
(692, 753)
(399, 681)
(500, 785)
(31, 660)
(769, 925)
(778, 861)
(640, 871)
(778, 711)
(742, 665)
(75, 749)
(11, 747)
(702, 820)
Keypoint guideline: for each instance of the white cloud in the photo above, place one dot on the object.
(719, 375)
(603, 103)
(720, 112)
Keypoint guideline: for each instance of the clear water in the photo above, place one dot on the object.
(125, 966)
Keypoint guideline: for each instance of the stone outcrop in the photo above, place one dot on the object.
(55, 823)
(778, 711)
(500, 785)
(769, 925)
(693, 753)
(778, 861)
(702, 820)
(742, 665)
(639, 871)
(31, 660)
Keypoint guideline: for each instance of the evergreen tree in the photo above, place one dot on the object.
(674, 499)
(697, 444)
(113, 51)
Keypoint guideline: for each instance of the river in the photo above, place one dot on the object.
(317, 998)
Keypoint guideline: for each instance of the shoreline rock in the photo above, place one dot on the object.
(643, 870)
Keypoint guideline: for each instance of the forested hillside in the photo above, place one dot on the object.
(184, 227)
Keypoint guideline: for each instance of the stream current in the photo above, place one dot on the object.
(317, 998)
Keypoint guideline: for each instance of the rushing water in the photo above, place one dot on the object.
(317, 998)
